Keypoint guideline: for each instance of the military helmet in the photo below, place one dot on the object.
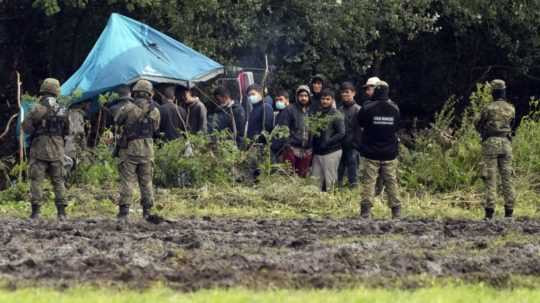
(498, 84)
(50, 86)
(143, 86)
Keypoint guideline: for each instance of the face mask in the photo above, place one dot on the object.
(254, 99)
(280, 105)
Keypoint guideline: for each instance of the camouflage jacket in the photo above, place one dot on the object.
(46, 145)
(129, 114)
(496, 120)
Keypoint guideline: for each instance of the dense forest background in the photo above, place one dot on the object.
(428, 50)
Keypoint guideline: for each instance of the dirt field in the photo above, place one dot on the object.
(201, 253)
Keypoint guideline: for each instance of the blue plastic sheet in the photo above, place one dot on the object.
(128, 50)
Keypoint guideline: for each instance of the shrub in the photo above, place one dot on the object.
(442, 159)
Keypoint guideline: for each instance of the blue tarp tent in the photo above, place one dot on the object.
(128, 50)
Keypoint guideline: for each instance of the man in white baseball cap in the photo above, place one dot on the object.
(369, 87)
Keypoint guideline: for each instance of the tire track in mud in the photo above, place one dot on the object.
(192, 254)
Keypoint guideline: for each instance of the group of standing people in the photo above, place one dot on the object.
(328, 137)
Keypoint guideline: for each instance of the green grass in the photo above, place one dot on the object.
(275, 197)
(450, 294)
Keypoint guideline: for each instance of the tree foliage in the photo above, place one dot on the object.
(427, 49)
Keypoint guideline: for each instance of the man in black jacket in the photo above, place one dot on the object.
(317, 83)
(195, 111)
(298, 150)
(379, 119)
(228, 116)
(349, 160)
(172, 116)
(327, 143)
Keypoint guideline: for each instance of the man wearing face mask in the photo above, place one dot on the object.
(281, 118)
(261, 117)
(196, 113)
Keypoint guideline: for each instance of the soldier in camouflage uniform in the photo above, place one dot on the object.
(495, 127)
(75, 144)
(47, 124)
(139, 121)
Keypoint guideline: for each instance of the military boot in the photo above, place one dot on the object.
(146, 213)
(489, 213)
(36, 211)
(396, 212)
(61, 212)
(365, 211)
(123, 212)
(508, 212)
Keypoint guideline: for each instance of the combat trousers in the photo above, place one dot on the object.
(40, 169)
(497, 159)
(133, 173)
(325, 168)
(371, 169)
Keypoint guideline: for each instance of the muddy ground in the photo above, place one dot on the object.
(201, 253)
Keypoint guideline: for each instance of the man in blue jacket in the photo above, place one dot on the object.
(261, 117)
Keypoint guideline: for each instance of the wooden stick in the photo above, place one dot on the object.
(21, 131)
(98, 126)
(7, 126)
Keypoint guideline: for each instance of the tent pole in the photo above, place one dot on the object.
(98, 126)
(21, 131)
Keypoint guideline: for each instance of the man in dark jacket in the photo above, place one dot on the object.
(328, 143)
(298, 149)
(369, 88)
(281, 118)
(349, 159)
(172, 116)
(261, 117)
(317, 84)
(380, 119)
(229, 116)
(196, 113)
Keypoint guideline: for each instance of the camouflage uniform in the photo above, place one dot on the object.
(47, 124)
(386, 171)
(76, 140)
(495, 127)
(139, 121)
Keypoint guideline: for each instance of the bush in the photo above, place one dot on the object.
(527, 142)
(197, 160)
(442, 159)
(98, 167)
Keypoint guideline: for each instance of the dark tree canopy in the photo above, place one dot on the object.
(427, 50)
